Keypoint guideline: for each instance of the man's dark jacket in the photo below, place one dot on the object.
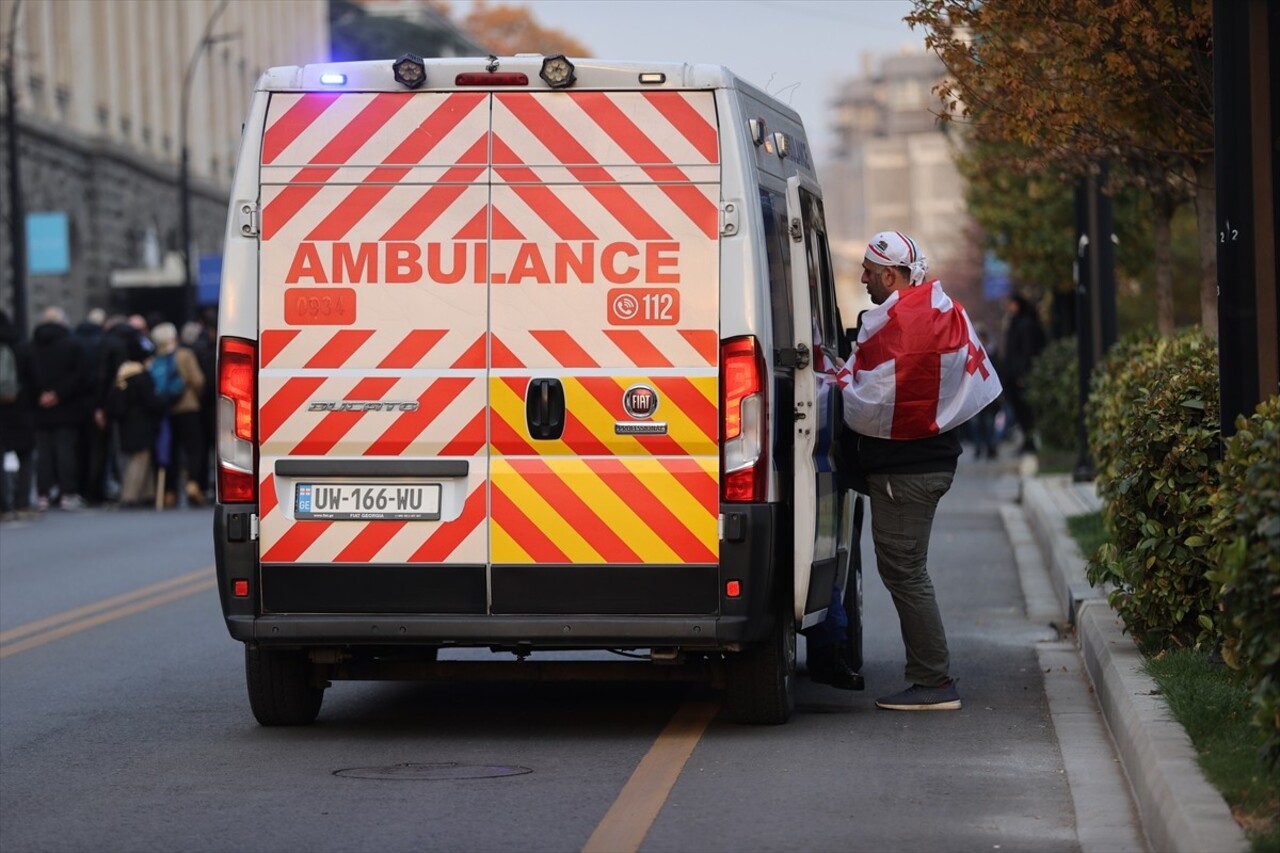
(58, 363)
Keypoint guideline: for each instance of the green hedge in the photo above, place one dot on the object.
(1111, 398)
(1155, 439)
(1246, 534)
(1053, 390)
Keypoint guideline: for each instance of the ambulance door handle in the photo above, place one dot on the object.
(544, 409)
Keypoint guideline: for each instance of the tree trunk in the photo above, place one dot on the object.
(1206, 229)
(1164, 262)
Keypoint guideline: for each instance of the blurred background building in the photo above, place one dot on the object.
(100, 89)
(892, 168)
(447, 39)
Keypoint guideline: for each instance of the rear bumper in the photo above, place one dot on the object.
(561, 632)
(562, 607)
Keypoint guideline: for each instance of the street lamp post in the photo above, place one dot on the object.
(184, 178)
(1095, 296)
(17, 215)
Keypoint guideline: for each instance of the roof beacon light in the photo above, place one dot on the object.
(557, 72)
(332, 78)
(652, 77)
(410, 71)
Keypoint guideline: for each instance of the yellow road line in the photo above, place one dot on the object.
(630, 817)
(74, 621)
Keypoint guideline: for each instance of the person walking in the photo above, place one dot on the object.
(179, 382)
(17, 423)
(60, 383)
(918, 373)
(1023, 341)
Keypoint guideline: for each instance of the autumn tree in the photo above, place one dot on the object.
(1027, 218)
(1078, 82)
(509, 29)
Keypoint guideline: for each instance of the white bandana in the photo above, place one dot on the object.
(895, 249)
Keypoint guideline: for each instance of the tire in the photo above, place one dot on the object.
(760, 681)
(853, 589)
(281, 690)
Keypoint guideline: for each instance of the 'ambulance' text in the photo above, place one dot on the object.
(514, 263)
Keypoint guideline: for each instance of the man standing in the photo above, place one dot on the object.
(918, 372)
(1023, 341)
(92, 450)
(59, 374)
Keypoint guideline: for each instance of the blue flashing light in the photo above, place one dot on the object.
(332, 78)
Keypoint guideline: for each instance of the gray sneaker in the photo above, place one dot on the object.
(917, 697)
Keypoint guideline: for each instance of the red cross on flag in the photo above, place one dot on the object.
(918, 368)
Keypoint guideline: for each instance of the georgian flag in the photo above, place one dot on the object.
(918, 367)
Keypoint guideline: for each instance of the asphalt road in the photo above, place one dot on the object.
(124, 725)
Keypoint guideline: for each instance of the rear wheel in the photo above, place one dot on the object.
(760, 681)
(281, 688)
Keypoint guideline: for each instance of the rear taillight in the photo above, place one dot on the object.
(743, 421)
(237, 421)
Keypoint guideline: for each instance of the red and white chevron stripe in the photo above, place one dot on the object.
(473, 235)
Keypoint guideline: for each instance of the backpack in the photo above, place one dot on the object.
(9, 385)
(168, 381)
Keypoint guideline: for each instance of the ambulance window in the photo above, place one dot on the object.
(774, 207)
(821, 282)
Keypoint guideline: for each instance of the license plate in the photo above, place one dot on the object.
(365, 501)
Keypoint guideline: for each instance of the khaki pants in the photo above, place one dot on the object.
(902, 509)
(137, 485)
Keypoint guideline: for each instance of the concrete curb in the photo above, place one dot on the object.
(1180, 810)
(1048, 501)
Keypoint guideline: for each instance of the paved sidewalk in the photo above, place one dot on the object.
(1181, 812)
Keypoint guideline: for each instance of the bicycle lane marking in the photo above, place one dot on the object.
(79, 619)
(632, 814)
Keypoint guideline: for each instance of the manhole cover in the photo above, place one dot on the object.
(433, 772)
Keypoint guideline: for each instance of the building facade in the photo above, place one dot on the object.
(892, 168)
(100, 89)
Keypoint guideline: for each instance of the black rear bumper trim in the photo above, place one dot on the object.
(561, 632)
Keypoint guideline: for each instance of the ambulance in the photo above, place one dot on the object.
(522, 358)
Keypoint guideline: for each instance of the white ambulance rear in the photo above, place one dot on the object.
(519, 355)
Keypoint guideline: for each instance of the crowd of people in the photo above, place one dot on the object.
(114, 411)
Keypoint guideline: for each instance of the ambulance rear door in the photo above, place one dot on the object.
(373, 353)
(815, 498)
(604, 312)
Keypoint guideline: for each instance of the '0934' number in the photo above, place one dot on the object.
(320, 306)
